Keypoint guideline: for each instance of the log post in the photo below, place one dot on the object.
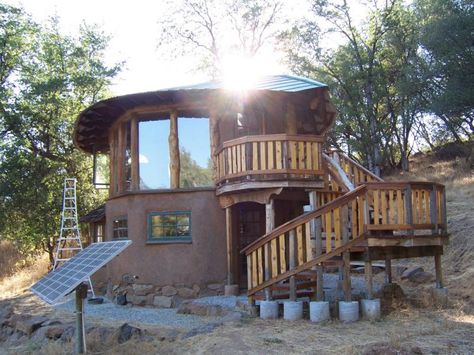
(173, 141)
(368, 279)
(408, 208)
(134, 154)
(346, 257)
(438, 271)
(388, 270)
(292, 264)
(229, 239)
(269, 226)
(317, 246)
(291, 126)
(214, 137)
(120, 158)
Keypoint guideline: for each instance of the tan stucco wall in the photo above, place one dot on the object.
(200, 262)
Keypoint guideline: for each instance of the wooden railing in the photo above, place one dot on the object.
(316, 236)
(297, 156)
(357, 173)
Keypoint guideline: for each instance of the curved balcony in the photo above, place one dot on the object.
(273, 157)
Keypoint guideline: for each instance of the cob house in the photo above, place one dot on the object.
(280, 207)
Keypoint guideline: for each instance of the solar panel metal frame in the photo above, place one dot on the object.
(66, 278)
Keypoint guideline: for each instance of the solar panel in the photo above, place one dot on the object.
(60, 282)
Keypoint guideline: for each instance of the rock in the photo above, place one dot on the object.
(126, 332)
(99, 335)
(201, 309)
(169, 291)
(142, 289)
(215, 287)
(391, 297)
(28, 324)
(137, 300)
(411, 271)
(5, 313)
(421, 277)
(388, 349)
(196, 289)
(163, 301)
(185, 292)
(54, 332)
(398, 270)
(68, 334)
(121, 300)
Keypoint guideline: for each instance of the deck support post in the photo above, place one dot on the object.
(368, 279)
(292, 264)
(346, 257)
(269, 226)
(229, 239)
(388, 270)
(317, 246)
(438, 271)
(173, 141)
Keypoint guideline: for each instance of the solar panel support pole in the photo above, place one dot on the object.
(81, 295)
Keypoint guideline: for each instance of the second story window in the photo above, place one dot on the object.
(120, 228)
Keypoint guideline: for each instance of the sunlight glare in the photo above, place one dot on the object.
(240, 72)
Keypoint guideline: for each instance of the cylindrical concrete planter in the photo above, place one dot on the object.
(348, 311)
(319, 311)
(293, 310)
(370, 309)
(269, 309)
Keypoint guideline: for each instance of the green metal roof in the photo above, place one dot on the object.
(286, 83)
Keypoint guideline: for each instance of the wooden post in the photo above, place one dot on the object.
(368, 279)
(408, 208)
(317, 246)
(388, 270)
(433, 210)
(81, 295)
(444, 216)
(120, 159)
(291, 126)
(228, 223)
(439, 271)
(346, 257)
(214, 137)
(134, 154)
(292, 264)
(173, 141)
(269, 226)
(112, 164)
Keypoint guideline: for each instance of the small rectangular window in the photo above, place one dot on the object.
(120, 228)
(169, 227)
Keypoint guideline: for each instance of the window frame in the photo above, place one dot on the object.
(119, 218)
(171, 239)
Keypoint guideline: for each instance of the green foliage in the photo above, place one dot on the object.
(191, 174)
(45, 89)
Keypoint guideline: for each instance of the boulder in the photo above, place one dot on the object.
(52, 332)
(421, 277)
(142, 289)
(126, 332)
(29, 324)
(169, 291)
(137, 300)
(186, 292)
(411, 271)
(163, 301)
(196, 289)
(216, 286)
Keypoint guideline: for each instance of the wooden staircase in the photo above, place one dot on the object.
(288, 261)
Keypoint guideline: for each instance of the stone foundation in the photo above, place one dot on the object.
(166, 296)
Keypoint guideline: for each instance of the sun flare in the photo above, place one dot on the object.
(241, 72)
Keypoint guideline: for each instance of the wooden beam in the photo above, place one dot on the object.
(269, 226)
(439, 271)
(292, 264)
(346, 255)
(134, 144)
(229, 239)
(173, 141)
(317, 246)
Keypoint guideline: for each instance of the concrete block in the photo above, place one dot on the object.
(268, 309)
(370, 309)
(348, 311)
(293, 310)
(319, 311)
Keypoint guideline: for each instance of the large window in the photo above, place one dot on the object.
(154, 156)
(169, 227)
(120, 228)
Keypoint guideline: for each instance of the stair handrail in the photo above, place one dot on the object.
(305, 217)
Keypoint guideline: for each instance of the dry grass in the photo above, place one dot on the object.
(22, 277)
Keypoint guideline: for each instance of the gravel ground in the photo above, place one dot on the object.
(164, 317)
